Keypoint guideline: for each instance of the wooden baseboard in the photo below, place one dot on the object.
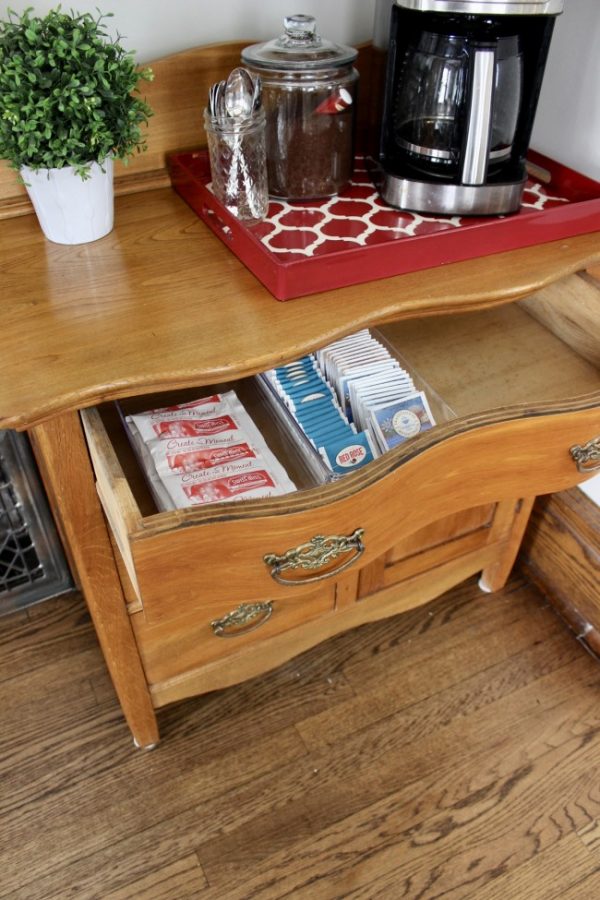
(561, 554)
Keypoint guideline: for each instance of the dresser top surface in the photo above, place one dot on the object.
(161, 303)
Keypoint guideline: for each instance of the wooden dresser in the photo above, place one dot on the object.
(160, 306)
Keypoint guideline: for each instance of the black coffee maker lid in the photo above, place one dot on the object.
(487, 7)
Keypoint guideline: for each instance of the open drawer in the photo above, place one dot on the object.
(524, 399)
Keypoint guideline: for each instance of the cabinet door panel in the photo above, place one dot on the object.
(440, 532)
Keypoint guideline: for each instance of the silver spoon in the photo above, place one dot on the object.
(220, 100)
(211, 99)
(239, 94)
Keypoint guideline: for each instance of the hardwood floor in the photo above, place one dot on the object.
(453, 751)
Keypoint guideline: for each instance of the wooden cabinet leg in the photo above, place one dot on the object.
(65, 466)
(510, 522)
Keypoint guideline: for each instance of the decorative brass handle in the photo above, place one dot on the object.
(315, 554)
(242, 620)
(586, 454)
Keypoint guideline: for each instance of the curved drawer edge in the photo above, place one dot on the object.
(576, 423)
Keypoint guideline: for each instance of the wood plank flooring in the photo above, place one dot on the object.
(453, 752)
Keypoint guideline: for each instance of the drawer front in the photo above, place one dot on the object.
(244, 552)
(221, 630)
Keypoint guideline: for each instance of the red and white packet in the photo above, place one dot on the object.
(225, 485)
(206, 451)
(180, 455)
(184, 419)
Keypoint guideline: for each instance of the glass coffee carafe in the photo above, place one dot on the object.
(439, 105)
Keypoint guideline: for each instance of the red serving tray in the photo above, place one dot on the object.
(355, 237)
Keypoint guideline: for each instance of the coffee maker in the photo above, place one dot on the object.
(462, 82)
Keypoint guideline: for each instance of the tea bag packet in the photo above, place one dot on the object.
(350, 359)
(368, 380)
(374, 393)
(345, 455)
(357, 337)
(312, 402)
(384, 370)
(394, 422)
(337, 394)
(363, 390)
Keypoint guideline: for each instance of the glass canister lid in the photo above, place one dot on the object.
(298, 48)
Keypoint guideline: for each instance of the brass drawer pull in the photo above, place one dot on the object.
(315, 554)
(587, 453)
(242, 620)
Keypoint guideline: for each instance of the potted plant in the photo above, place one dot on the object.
(68, 107)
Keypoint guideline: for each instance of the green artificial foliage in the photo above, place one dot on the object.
(67, 92)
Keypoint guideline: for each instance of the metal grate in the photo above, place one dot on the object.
(32, 564)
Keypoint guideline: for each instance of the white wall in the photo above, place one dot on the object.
(567, 126)
(155, 28)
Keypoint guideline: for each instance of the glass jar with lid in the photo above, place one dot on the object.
(309, 96)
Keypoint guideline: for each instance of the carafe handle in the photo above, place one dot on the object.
(479, 119)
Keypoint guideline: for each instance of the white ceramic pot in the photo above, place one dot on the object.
(71, 210)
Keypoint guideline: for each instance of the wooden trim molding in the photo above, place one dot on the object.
(174, 125)
(561, 554)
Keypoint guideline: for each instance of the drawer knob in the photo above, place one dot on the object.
(315, 554)
(242, 620)
(587, 456)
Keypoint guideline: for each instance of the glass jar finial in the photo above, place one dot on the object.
(300, 29)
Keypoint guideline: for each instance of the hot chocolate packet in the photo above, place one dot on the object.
(179, 455)
(205, 440)
(179, 420)
(191, 490)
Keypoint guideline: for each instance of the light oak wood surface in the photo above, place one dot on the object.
(218, 553)
(182, 657)
(509, 528)
(160, 302)
(452, 527)
(571, 310)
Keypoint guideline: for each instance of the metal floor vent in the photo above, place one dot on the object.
(32, 563)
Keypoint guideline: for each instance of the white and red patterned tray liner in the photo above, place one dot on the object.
(358, 217)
